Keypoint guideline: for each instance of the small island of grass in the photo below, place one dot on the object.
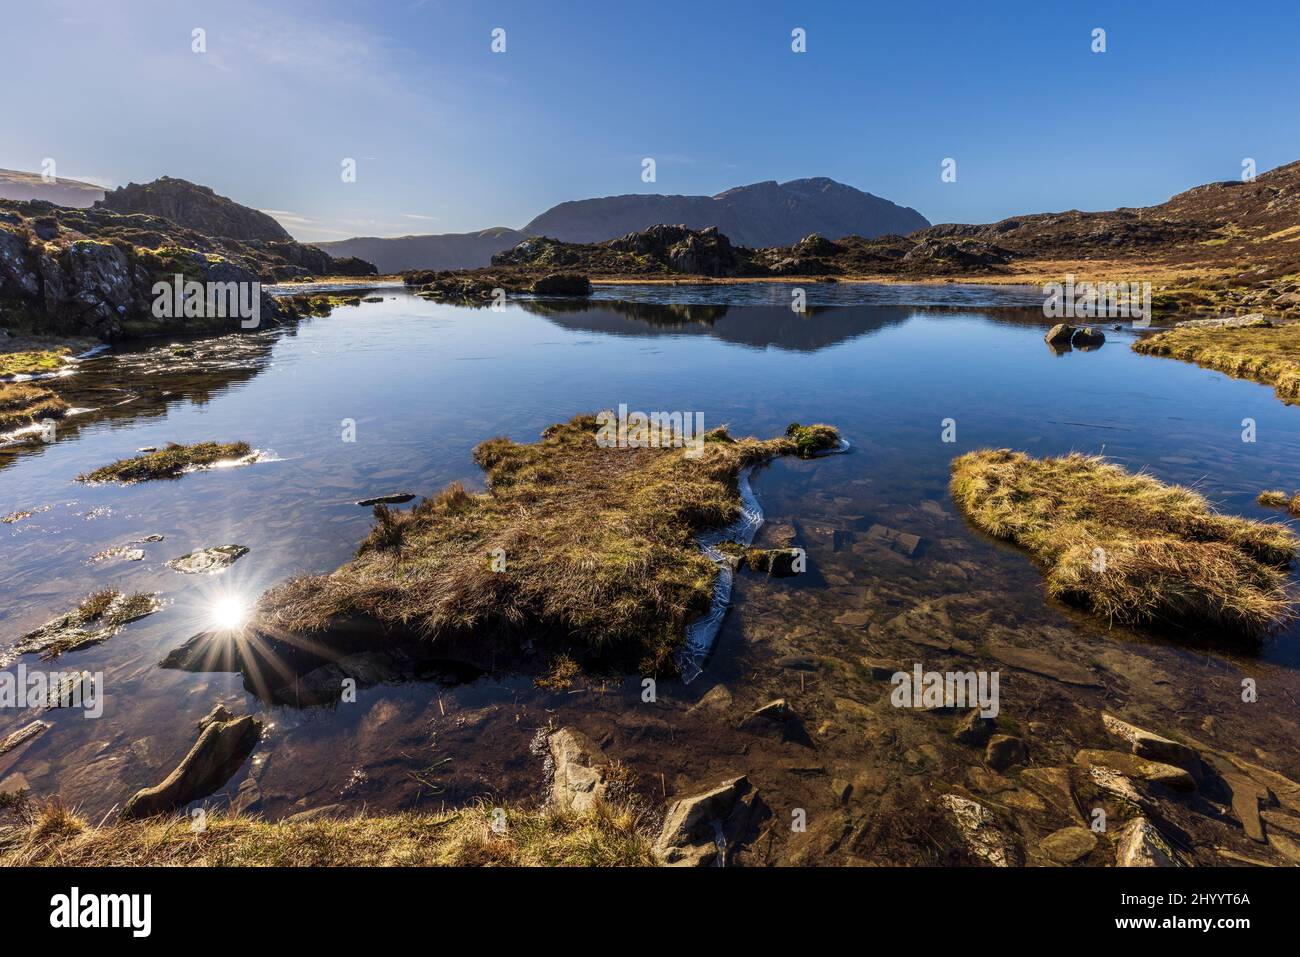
(21, 404)
(168, 462)
(1130, 548)
(590, 549)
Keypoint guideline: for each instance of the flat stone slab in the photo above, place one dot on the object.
(396, 498)
(1042, 663)
(217, 558)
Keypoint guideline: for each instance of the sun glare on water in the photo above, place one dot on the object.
(230, 613)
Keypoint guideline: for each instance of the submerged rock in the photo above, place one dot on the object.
(1005, 751)
(1068, 845)
(20, 737)
(905, 543)
(213, 559)
(220, 750)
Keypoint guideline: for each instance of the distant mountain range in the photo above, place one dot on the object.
(760, 215)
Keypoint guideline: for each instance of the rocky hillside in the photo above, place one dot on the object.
(762, 214)
(678, 250)
(1211, 224)
(66, 192)
(438, 251)
(195, 207)
(91, 271)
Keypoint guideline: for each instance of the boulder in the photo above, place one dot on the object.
(697, 829)
(776, 562)
(1142, 845)
(1060, 334)
(1087, 338)
(562, 284)
(1132, 766)
(579, 778)
(1147, 744)
(220, 750)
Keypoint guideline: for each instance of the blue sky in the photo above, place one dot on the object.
(449, 136)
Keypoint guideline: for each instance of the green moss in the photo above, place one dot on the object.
(32, 362)
(811, 439)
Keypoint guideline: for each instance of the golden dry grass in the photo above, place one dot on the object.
(22, 404)
(1266, 354)
(598, 544)
(612, 834)
(168, 462)
(1132, 549)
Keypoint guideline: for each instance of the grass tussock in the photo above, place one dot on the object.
(593, 545)
(1134, 550)
(168, 462)
(1267, 354)
(97, 616)
(1276, 498)
(612, 834)
(22, 404)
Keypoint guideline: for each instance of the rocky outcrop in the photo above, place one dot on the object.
(563, 284)
(220, 750)
(93, 271)
(20, 737)
(196, 207)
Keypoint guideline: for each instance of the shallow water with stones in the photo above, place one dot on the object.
(425, 382)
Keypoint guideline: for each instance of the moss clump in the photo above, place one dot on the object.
(596, 545)
(1279, 499)
(168, 462)
(22, 404)
(1269, 354)
(611, 834)
(811, 439)
(1134, 550)
(32, 362)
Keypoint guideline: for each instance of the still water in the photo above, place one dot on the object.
(423, 383)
